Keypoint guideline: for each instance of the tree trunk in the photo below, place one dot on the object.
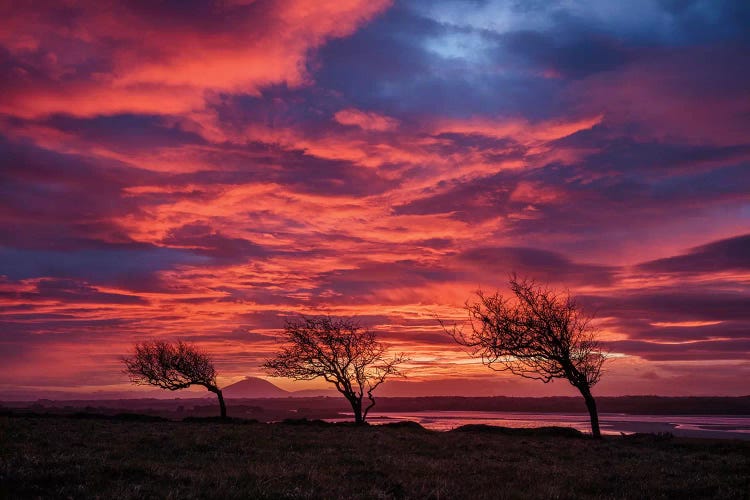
(221, 403)
(219, 394)
(591, 406)
(357, 407)
(369, 407)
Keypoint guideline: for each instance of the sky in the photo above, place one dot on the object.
(202, 170)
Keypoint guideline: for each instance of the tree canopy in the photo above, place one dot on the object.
(536, 333)
(339, 351)
(172, 366)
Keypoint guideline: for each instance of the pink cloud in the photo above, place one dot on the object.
(112, 57)
(518, 129)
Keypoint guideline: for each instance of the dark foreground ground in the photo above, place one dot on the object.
(68, 457)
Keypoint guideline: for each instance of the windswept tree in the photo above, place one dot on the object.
(173, 366)
(341, 352)
(538, 334)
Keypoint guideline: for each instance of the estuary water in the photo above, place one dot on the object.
(705, 426)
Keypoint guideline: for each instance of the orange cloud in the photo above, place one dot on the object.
(528, 192)
(365, 120)
(518, 129)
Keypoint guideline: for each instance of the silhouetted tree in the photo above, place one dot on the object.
(173, 366)
(341, 352)
(539, 334)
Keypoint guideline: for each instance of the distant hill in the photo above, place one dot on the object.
(254, 387)
(249, 388)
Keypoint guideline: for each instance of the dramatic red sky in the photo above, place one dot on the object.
(203, 169)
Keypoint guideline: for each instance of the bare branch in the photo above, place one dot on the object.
(339, 351)
(172, 366)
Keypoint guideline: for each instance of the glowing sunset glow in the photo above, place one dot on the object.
(203, 171)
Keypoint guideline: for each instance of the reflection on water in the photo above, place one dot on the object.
(611, 423)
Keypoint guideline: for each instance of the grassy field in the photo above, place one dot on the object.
(63, 457)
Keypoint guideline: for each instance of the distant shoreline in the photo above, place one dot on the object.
(640, 405)
(693, 426)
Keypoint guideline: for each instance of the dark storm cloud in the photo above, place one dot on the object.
(701, 21)
(370, 278)
(675, 304)
(392, 64)
(384, 53)
(52, 200)
(113, 263)
(731, 254)
(677, 323)
(423, 69)
(625, 154)
(295, 169)
(693, 351)
(651, 330)
(575, 57)
(203, 240)
(58, 210)
(604, 198)
(38, 331)
(126, 132)
(306, 108)
(73, 291)
(207, 16)
(76, 291)
(539, 264)
(474, 200)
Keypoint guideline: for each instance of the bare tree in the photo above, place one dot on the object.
(539, 334)
(341, 352)
(173, 366)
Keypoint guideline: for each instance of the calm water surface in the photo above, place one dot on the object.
(713, 426)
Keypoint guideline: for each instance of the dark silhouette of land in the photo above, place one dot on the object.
(277, 408)
(130, 456)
